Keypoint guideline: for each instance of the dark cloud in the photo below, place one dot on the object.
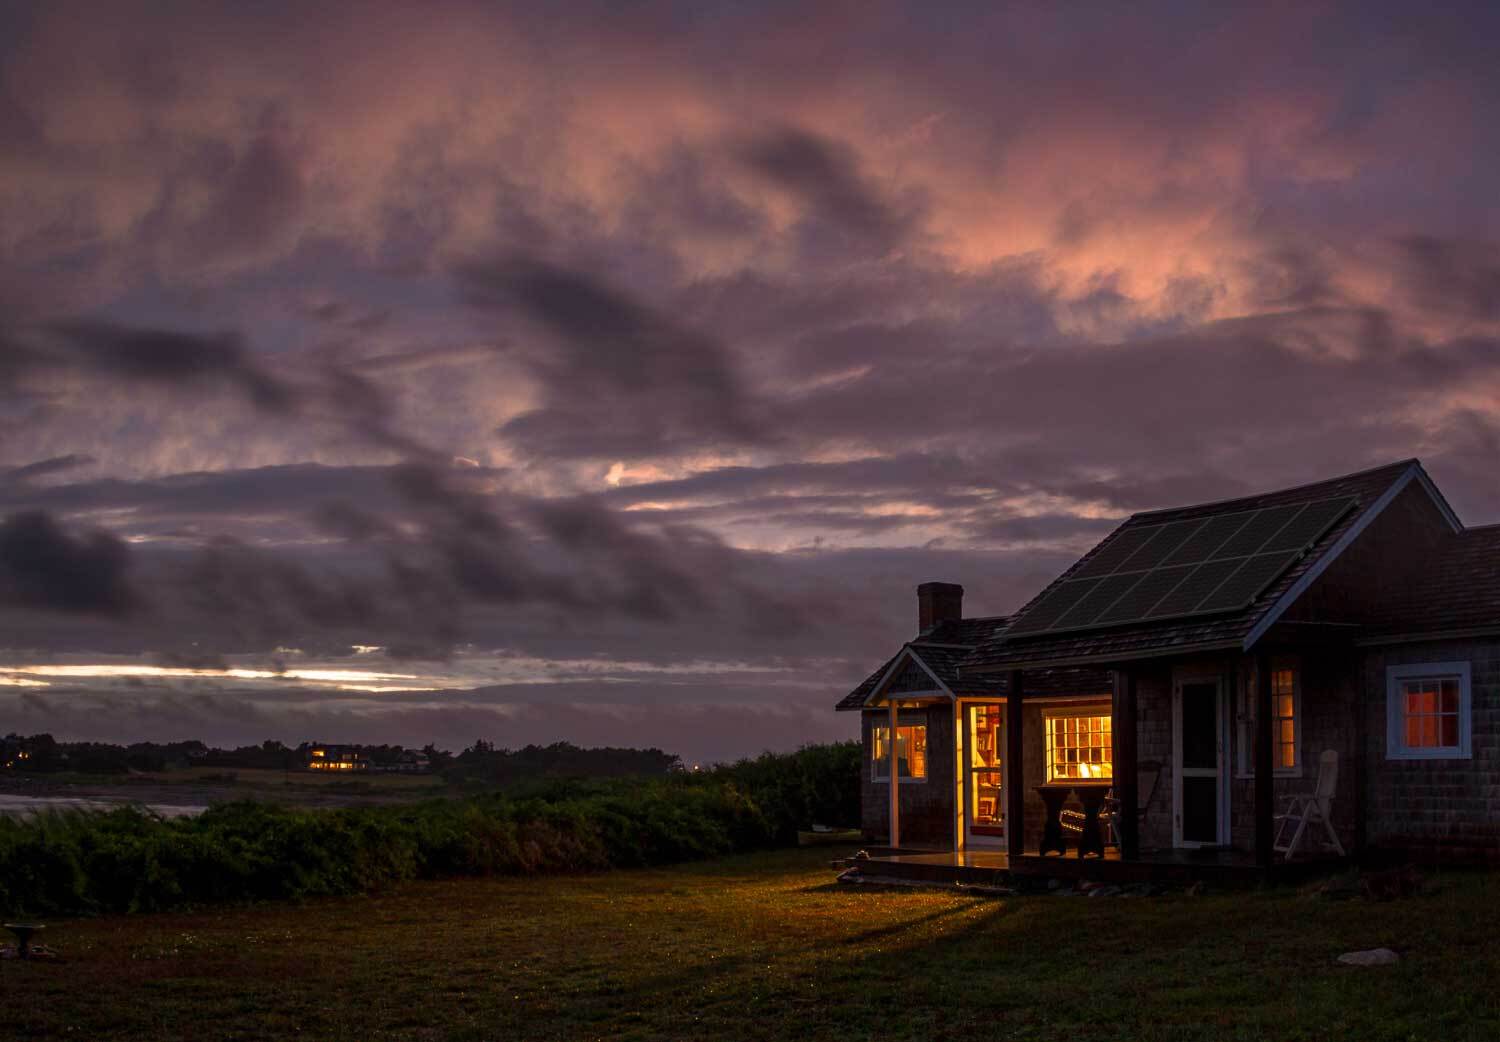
(619, 377)
(825, 178)
(44, 566)
(45, 468)
(178, 359)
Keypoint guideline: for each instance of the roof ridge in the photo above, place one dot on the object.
(1404, 464)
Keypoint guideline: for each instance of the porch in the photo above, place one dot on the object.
(1216, 867)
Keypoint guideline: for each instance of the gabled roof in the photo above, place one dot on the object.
(1456, 590)
(942, 649)
(1371, 490)
(939, 650)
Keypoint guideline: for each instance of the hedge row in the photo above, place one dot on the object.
(128, 860)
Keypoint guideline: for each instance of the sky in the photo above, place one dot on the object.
(613, 372)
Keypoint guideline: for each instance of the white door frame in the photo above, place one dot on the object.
(984, 841)
(1220, 772)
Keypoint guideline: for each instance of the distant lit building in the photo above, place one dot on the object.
(336, 758)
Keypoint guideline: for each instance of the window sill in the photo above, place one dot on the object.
(904, 780)
(1447, 753)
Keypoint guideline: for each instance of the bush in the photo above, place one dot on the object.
(127, 860)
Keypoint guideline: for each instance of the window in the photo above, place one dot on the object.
(1079, 747)
(1427, 711)
(911, 752)
(1284, 720)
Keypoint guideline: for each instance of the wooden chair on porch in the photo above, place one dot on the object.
(1147, 778)
(1314, 809)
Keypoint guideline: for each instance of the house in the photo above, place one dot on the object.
(409, 761)
(1198, 667)
(322, 757)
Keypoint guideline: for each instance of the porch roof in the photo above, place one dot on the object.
(942, 649)
(1371, 490)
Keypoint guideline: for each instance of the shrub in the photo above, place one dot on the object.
(127, 860)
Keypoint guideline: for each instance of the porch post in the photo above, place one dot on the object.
(1126, 771)
(1265, 791)
(1015, 785)
(895, 779)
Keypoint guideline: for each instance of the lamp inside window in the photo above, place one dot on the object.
(1080, 748)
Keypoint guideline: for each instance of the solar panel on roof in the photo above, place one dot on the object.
(1103, 595)
(1262, 525)
(1248, 579)
(1182, 567)
(1142, 597)
(1170, 537)
(1184, 598)
(1315, 519)
(1215, 531)
(1050, 608)
(1113, 553)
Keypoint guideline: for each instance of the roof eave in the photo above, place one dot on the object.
(1104, 661)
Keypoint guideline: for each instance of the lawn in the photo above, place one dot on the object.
(765, 946)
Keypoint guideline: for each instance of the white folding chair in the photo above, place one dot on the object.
(1314, 809)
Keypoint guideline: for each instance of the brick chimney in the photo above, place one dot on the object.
(938, 602)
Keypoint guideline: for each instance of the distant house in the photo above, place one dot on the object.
(411, 762)
(1193, 671)
(336, 758)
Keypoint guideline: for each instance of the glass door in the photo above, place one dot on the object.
(984, 812)
(1200, 817)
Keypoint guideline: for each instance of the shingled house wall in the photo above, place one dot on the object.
(1436, 805)
(926, 803)
(1328, 722)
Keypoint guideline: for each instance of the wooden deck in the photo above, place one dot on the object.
(1233, 868)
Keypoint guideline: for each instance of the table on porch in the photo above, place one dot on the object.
(1091, 795)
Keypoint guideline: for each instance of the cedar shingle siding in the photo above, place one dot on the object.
(1451, 805)
(926, 805)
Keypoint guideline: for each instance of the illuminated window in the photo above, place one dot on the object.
(1284, 719)
(911, 752)
(1427, 711)
(1079, 748)
(985, 766)
(984, 751)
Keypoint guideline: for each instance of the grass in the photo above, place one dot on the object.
(764, 946)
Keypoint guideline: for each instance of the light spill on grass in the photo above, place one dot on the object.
(765, 947)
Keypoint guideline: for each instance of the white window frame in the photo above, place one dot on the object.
(1074, 712)
(1395, 716)
(1245, 723)
(880, 765)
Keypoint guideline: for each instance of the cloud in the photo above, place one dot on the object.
(618, 376)
(45, 567)
(1455, 276)
(942, 296)
(174, 359)
(825, 179)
